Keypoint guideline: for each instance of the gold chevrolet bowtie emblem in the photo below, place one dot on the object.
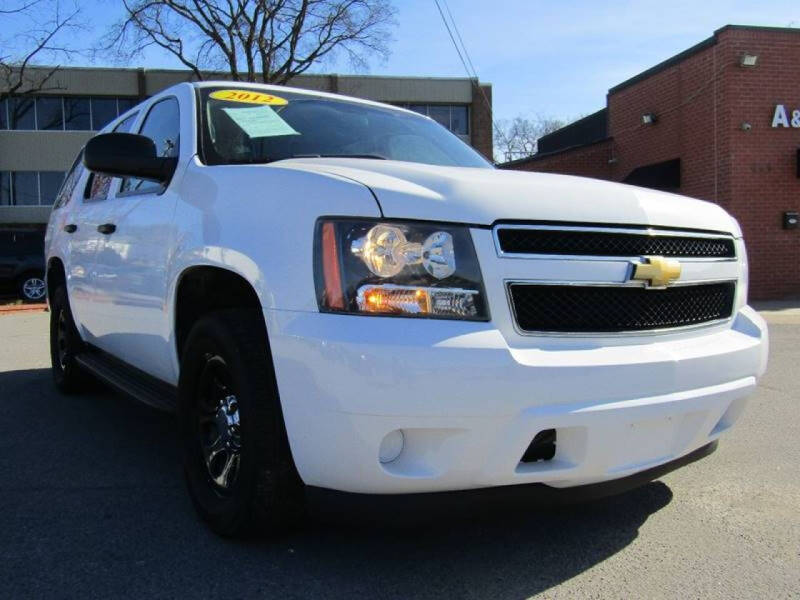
(657, 271)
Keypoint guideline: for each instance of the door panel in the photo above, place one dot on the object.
(131, 274)
(132, 259)
(83, 243)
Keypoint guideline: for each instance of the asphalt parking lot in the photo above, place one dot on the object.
(92, 503)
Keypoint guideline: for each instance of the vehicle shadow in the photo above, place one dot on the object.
(92, 499)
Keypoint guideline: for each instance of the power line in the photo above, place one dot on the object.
(460, 40)
(467, 63)
(453, 39)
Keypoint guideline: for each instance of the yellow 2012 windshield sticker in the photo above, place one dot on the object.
(248, 97)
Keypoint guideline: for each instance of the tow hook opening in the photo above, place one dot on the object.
(543, 447)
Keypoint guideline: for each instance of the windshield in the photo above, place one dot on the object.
(250, 126)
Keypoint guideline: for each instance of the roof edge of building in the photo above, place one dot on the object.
(39, 67)
(699, 47)
(542, 155)
(587, 118)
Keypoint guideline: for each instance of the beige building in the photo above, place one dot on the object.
(40, 135)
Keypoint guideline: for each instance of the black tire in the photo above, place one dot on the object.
(65, 344)
(31, 287)
(237, 460)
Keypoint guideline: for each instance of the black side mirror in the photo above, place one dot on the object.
(127, 155)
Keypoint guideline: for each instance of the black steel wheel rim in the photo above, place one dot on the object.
(61, 339)
(218, 425)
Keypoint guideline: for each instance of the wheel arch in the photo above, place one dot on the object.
(203, 289)
(55, 275)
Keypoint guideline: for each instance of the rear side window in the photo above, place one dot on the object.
(162, 125)
(70, 181)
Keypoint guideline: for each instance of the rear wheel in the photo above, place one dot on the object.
(237, 460)
(32, 288)
(65, 344)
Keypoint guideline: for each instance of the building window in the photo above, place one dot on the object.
(59, 113)
(5, 188)
(49, 184)
(22, 113)
(76, 114)
(29, 188)
(104, 110)
(454, 117)
(25, 188)
(459, 120)
(49, 114)
(440, 114)
(125, 104)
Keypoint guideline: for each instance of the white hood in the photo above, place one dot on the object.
(482, 196)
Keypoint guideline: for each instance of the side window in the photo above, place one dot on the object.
(98, 186)
(162, 125)
(70, 181)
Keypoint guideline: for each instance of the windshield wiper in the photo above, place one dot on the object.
(376, 156)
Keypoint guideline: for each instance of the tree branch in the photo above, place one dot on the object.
(266, 40)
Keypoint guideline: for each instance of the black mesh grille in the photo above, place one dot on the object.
(561, 308)
(596, 243)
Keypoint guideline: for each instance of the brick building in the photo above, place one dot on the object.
(719, 121)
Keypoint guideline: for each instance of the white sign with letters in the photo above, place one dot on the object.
(785, 117)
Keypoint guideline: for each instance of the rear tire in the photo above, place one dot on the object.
(237, 460)
(65, 345)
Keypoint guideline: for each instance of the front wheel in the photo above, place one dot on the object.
(237, 461)
(65, 344)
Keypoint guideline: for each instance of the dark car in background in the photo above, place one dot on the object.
(22, 263)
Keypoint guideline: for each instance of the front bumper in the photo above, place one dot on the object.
(469, 404)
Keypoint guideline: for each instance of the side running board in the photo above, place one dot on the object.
(129, 380)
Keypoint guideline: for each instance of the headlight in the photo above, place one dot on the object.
(404, 269)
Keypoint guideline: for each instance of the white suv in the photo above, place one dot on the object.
(341, 294)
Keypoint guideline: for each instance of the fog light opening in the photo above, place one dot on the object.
(391, 446)
(543, 447)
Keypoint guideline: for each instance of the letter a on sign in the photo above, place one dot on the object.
(780, 118)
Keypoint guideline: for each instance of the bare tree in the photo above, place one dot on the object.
(255, 40)
(519, 137)
(43, 26)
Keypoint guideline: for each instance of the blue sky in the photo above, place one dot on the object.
(549, 58)
(559, 58)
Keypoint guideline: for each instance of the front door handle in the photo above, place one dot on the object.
(107, 228)
(71, 228)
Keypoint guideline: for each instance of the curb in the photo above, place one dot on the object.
(15, 308)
